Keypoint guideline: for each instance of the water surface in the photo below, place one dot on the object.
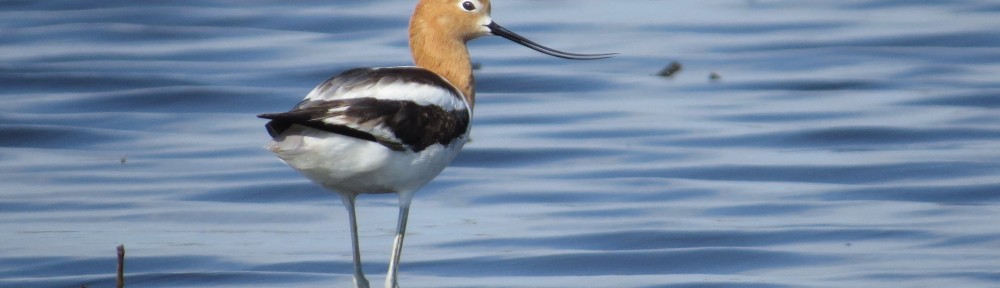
(844, 144)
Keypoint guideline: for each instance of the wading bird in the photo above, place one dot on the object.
(393, 129)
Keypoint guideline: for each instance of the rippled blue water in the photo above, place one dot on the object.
(845, 144)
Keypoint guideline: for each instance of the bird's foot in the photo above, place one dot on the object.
(360, 282)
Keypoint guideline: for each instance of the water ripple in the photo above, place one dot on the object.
(745, 28)
(172, 99)
(982, 99)
(833, 174)
(537, 83)
(944, 194)
(857, 136)
(684, 261)
(80, 81)
(52, 136)
(964, 39)
(524, 157)
(662, 239)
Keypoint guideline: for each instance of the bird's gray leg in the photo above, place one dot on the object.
(397, 245)
(359, 275)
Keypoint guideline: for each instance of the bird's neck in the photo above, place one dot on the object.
(445, 56)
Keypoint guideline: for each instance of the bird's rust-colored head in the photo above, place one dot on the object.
(439, 30)
(460, 20)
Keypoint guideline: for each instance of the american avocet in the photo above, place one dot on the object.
(393, 129)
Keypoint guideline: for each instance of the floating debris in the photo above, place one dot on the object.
(120, 275)
(477, 65)
(714, 77)
(672, 69)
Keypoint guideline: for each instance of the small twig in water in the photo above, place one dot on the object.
(671, 70)
(120, 282)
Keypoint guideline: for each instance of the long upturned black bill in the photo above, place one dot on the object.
(498, 30)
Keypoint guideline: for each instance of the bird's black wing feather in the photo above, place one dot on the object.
(394, 123)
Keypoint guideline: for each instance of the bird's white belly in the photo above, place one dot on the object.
(349, 165)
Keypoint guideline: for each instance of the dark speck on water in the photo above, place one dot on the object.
(850, 144)
(714, 77)
(672, 69)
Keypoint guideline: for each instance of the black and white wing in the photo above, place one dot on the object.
(402, 108)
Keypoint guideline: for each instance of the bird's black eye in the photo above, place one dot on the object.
(468, 5)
